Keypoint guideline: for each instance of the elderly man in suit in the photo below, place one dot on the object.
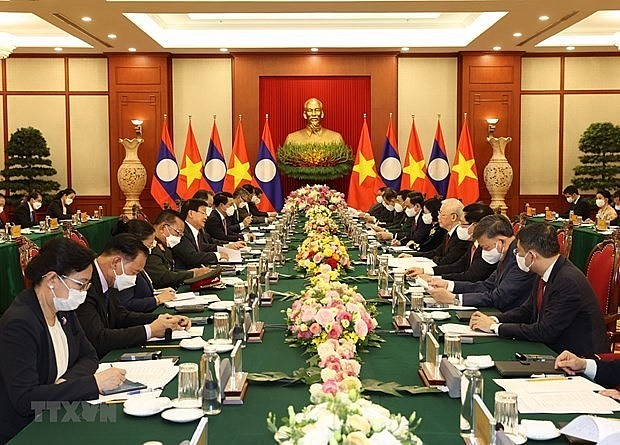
(562, 310)
(506, 288)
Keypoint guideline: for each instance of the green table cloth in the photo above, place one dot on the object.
(396, 360)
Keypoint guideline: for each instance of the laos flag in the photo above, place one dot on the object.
(267, 175)
(390, 168)
(164, 183)
(438, 170)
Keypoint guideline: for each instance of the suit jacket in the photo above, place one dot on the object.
(506, 288)
(448, 251)
(246, 211)
(607, 373)
(570, 316)
(22, 216)
(161, 268)
(188, 255)
(141, 297)
(28, 363)
(215, 228)
(54, 210)
(107, 324)
(581, 208)
(433, 239)
(476, 268)
(234, 222)
(4, 218)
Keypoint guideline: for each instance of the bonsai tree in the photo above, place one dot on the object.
(28, 165)
(600, 165)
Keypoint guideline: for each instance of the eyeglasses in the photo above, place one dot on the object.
(178, 232)
(83, 286)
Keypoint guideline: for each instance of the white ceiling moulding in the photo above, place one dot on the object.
(303, 30)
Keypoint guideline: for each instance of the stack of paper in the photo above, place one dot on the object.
(234, 255)
(189, 301)
(463, 329)
(406, 263)
(194, 331)
(595, 429)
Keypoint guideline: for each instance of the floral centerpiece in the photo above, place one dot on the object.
(311, 195)
(320, 225)
(318, 211)
(318, 249)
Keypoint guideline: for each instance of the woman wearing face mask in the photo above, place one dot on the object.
(59, 207)
(45, 355)
(142, 297)
(430, 217)
(25, 213)
(605, 211)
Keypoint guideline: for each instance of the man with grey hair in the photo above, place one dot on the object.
(452, 247)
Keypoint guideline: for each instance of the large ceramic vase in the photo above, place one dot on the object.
(498, 173)
(131, 175)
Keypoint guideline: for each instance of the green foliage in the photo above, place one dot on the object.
(600, 165)
(28, 165)
(319, 162)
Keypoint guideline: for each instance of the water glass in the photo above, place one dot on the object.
(221, 328)
(239, 291)
(452, 347)
(506, 413)
(188, 382)
(417, 302)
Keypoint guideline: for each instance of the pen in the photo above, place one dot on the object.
(547, 379)
(159, 346)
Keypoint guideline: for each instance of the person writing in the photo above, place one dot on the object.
(603, 372)
(44, 354)
(59, 207)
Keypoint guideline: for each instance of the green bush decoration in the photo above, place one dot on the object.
(319, 162)
(600, 165)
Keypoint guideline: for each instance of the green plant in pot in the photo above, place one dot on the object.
(600, 163)
(318, 162)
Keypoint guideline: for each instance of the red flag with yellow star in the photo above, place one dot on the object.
(414, 170)
(190, 176)
(364, 179)
(464, 179)
(238, 172)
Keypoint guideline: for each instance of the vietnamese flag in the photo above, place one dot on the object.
(364, 178)
(464, 179)
(190, 175)
(238, 172)
(414, 170)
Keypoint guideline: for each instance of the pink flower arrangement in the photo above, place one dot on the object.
(318, 249)
(311, 195)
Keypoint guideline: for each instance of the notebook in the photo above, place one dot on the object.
(516, 368)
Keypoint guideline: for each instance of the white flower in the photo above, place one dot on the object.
(383, 438)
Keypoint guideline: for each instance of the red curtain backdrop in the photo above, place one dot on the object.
(345, 100)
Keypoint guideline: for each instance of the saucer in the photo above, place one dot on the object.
(145, 406)
(221, 305)
(193, 344)
(182, 415)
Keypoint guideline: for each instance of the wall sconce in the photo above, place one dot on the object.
(492, 121)
(137, 124)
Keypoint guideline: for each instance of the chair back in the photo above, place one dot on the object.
(74, 235)
(519, 222)
(565, 238)
(27, 250)
(602, 273)
(137, 213)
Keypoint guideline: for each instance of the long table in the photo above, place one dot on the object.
(396, 360)
(96, 232)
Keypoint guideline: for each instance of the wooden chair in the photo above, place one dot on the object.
(519, 222)
(137, 213)
(603, 274)
(74, 235)
(565, 238)
(27, 250)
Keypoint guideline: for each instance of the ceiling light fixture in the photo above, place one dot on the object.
(517, 34)
(543, 18)
(58, 49)
(223, 50)
(131, 50)
(87, 19)
(491, 123)
(112, 36)
(570, 48)
(314, 50)
(497, 48)
(404, 49)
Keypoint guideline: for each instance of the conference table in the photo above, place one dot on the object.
(96, 232)
(396, 360)
(584, 240)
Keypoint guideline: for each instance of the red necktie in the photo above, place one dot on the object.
(471, 254)
(225, 226)
(540, 293)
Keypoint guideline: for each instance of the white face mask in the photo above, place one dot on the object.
(570, 200)
(463, 233)
(230, 211)
(427, 218)
(73, 300)
(521, 263)
(491, 256)
(256, 200)
(389, 207)
(37, 205)
(617, 207)
(410, 212)
(1, 209)
(398, 207)
(600, 203)
(379, 199)
(172, 240)
(243, 205)
(124, 281)
(209, 210)
(68, 201)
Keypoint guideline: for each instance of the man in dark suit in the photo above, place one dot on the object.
(217, 223)
(562, 310)
(470, 266)
(577, 204)
(603, 372)
(506, 288)
(241, 218)
(384, 213)
(195, 248)
(452, 247)
(106, 323)
(25, 212)
(255, 198)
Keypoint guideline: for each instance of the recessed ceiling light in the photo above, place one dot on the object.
(87, 19)
(497, 48)
(543, 18)
(570, 48)
(111, 36)
(314, 50)
(517, 34)
(131, 50)
(404, 49)
(223, 50)
(58, 49)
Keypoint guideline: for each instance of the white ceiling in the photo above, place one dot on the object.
(192, 26)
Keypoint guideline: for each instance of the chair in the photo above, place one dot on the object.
(74, 235)
(137, 213)
(603, 274)
(27, 251)
(519, 223)
(565, 238)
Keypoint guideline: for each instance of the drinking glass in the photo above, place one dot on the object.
(188, 383)
(506, 413)
(221, 328)
(452, 347)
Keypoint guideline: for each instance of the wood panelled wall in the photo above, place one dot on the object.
(139, 88)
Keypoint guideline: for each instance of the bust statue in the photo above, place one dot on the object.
(314, 132)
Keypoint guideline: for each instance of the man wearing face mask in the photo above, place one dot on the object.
(562, 309)
(241, 218)
(255, 198)
(416, 231)
(106, 323)
(507, 287)
(218, 223)
(25, 212)
(384, 212)
(576, 203)
(160, 265)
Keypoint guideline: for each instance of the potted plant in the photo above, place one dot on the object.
(315, 162)
(600, 164)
